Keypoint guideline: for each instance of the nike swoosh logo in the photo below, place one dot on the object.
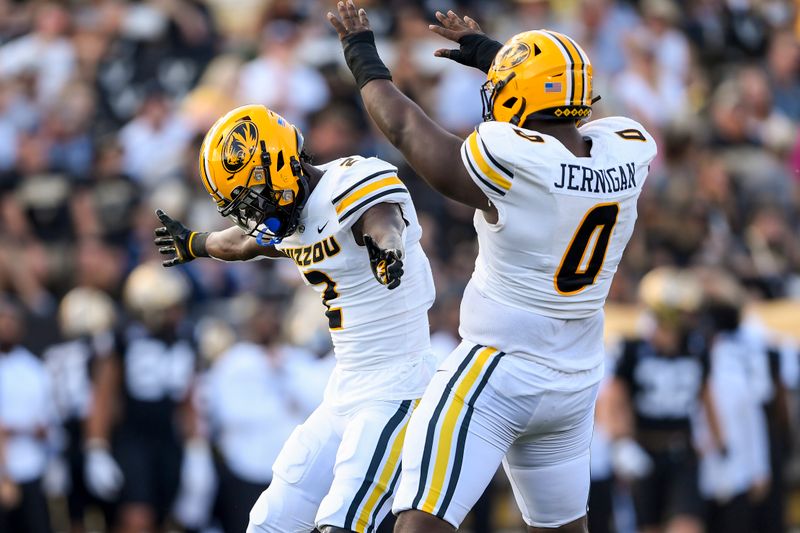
(319, 230)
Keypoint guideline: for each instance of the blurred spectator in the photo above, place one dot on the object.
(783, 68)
(151, 141)
(214, 94)
(458, 100)
(27, 422)
(166, 43)
(733, 479)
(601, 30)
(647, 88)
(279, 79)
(86, 321)
(334, 132)
(772, 254)
(256, 394)
(671, 47)
(46, 54)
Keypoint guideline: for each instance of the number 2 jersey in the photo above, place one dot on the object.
(381, 337)
(544, 270)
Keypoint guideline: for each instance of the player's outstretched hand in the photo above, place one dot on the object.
(173, 239)
(453, 28)
(387, 265)
(350, 21)
(475, 48)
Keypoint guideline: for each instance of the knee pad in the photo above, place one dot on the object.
(282, 508)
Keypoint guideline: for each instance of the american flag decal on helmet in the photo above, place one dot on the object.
(552, 86)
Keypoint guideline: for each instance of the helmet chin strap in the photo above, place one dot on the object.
(518, 115)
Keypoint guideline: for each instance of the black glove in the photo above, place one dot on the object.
(387, 265)
(173, 238)
(475, 50)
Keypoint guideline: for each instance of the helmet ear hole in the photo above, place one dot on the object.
(508, 104)
(280, 161)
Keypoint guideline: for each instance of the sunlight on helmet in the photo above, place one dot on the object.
(151, 291)
(85, 312)
(542, 75)
(250, 165)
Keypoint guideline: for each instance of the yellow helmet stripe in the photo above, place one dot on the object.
(574, 57)
(584, 70)
(207, 151)
(570, 62)
(204, 174)
(573, 53)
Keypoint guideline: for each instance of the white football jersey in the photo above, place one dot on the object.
(371, 326)
(564, 222)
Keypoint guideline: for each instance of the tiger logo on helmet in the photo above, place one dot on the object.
(239, 146)
(250, 165)
(538, 74)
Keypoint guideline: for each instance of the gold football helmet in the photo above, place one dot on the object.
(151, 293)
(85, 312)
(671, 289)
(250, 165)
(538, 74)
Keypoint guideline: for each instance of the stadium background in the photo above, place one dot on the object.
(103, 105)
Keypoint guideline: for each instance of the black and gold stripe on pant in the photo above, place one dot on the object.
(457, 396)
(383, 449)
(458, 460)
(373, 519)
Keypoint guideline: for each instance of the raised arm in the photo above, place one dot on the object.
(184, 245)
(433, 152)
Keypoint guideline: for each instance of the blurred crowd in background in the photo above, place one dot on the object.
(132, 396)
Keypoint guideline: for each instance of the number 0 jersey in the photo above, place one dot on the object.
(563, 224)
(372, 327)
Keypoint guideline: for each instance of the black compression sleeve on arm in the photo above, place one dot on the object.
(197, 244)
(363, 59)
(478, 50)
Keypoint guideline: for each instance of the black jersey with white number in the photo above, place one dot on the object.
(665, 389)
(157, 373)
(69, 364)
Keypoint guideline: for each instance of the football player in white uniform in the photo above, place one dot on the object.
(344, 224)
(555, 206)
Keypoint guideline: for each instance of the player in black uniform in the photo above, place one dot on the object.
(155, 360)
(661, 380)
(86, 320)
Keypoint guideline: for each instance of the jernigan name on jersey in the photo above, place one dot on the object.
(371, 326)
(564, 220)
